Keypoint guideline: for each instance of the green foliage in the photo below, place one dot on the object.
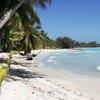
(9, 39)
(23, 19)
(30, 41)
(47, 42)
(14, 38)
(5, 42)
(64, 42)
(9, 61)
(4, 68)
(3, 73)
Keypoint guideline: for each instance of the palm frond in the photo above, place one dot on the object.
(3, 73)
(42, 3)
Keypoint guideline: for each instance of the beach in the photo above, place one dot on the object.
(31, 80)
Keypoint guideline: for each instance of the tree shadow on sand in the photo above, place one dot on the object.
(3, 60)
(24, 64)
(21, 73)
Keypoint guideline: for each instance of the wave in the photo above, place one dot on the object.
(90, 52)
(52, 59)
(98, 68)
(60, 53)
(49, 60)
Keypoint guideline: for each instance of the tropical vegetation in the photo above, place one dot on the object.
(66, 42)
(20, 16)
(3, 73)
(19, 22)
(4, 67)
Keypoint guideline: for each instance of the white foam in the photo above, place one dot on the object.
(49, 60)
(89, 52)
(52, 61)
(98, 68)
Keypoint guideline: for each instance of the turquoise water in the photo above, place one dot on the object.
(84, 61)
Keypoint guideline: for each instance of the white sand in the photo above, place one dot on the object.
(48, 84)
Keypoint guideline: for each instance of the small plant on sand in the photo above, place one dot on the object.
(4, 69)
(3, 73)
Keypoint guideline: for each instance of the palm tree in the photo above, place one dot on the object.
(11, 6)
(28, 17)
(30, 32)
(30, 41)
(29, 20)
(9, 13)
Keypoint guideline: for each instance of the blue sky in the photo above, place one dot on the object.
(77, 19)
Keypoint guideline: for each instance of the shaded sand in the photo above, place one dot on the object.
(27, 81)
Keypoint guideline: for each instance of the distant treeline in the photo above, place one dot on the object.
(66, 42)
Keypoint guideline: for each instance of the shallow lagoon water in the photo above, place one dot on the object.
(85, 61)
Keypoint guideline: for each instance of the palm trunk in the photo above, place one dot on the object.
(28, 54)
(9, 14)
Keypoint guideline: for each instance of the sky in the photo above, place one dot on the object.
(77, 19)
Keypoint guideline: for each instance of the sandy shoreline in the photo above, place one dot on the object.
(88, 86)
(44, 84)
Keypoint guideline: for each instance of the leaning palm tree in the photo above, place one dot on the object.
(8, 8)
(9, 12)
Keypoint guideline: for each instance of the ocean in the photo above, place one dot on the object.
(85, 61)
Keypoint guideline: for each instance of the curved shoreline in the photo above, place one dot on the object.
(46, 83)
(86, 85)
